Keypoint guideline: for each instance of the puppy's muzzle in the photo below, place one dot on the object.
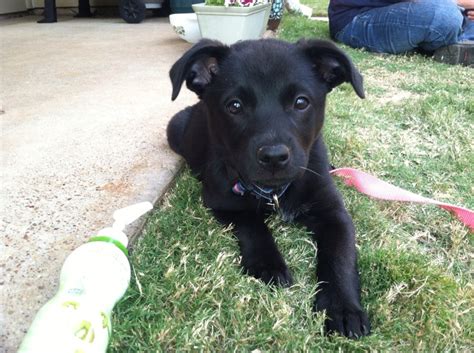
(273, 158)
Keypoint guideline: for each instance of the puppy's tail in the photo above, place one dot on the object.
(176, 129)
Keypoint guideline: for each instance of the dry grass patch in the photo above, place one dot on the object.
(384, 87)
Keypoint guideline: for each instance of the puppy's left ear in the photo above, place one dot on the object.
(332, 64)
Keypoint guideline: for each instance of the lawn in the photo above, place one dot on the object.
(320, 7)
(414, 129)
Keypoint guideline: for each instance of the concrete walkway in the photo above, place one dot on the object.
(83, 110)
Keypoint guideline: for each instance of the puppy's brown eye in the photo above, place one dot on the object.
(234, 107)
(301, 103)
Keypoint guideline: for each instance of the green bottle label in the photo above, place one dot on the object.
(110, 240)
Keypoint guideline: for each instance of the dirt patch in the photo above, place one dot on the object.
(396, 97)
(118, 187)
(385, 86)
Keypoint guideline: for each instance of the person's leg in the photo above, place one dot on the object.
(467, 31)
(404, 26)
(276, 14)
(446, 26)
(273, 24)
(461, 52)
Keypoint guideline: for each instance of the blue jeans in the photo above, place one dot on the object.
(404, 26)
(467, 31)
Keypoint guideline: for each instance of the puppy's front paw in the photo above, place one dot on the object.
(343, 318)
(270, 272)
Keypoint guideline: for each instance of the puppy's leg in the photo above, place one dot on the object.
(337, 272)
(176, 128)
(260, 255)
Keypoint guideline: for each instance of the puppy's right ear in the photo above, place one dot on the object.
(197, 66)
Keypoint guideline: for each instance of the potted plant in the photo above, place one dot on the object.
(232, 20)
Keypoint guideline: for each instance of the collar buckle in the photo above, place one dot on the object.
(269, 194)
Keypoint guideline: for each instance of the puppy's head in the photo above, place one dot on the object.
(265, 100)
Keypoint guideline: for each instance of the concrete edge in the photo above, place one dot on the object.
(136, 230)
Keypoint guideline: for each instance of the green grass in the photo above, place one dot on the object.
(320, 7)
(414, 130)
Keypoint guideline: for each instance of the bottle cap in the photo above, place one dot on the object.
(122, 217)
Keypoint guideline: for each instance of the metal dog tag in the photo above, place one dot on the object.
(276, 203)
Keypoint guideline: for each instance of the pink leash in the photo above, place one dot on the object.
(371, 186)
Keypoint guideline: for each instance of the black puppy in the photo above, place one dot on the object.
(254, 140)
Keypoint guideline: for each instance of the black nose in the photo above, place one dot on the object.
(274, 157)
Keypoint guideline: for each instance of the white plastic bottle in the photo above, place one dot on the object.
(93, 278)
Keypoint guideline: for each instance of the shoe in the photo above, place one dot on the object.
(461, 53)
